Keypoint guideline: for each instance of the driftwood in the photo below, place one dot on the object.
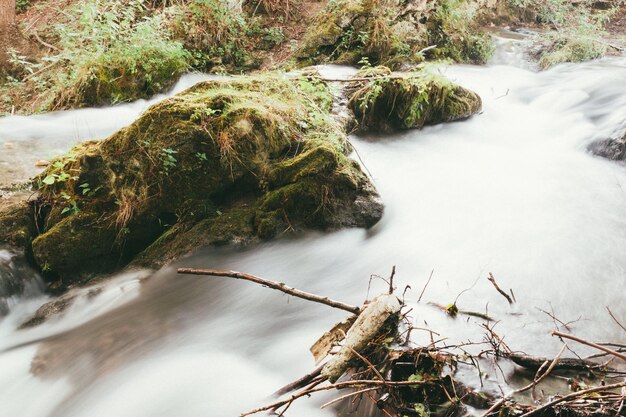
(393, 379)
(365, 328)
(535, 362)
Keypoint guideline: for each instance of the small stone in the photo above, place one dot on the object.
(42, 163)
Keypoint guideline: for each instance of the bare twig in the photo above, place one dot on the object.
(594, 345)
(615, 319)
(495, 285)
(573, 395)
(428, 48)
(393, 273)
(427, 282)
(352, 394)
(44, 43)
(274, 285)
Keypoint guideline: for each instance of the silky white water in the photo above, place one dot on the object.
(512, 191)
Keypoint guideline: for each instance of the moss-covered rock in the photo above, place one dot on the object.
(225, 161)
(17, 224)
(396, 33)
(557, 48)
(408, 101)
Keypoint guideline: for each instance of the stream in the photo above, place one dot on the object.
(512, 191)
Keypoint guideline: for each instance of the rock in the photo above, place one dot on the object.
(613, 149)
(16, 279)
(55, 307)
(408, 101)
(393, 33)
(225, 162)
(17, 222)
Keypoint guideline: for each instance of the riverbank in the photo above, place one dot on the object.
(62, 60)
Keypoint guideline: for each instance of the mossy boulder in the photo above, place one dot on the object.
(396, 33)
(408, 101)
(223, 162)
(17, 224)
(557, 48)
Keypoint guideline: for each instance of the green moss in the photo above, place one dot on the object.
(214, 32)
(385, 33)
(350, 30)
(223, 162)
(17, 225)
(411, 101)
(562, 48)
(453, 28)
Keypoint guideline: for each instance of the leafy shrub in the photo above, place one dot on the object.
(578, 34)
(454, 30)
(214, 32)
(116, 53)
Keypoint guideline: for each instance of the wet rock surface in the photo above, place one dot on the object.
(613, 149)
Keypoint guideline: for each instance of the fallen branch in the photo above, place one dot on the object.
(594, 345)
(615, 319)
(535, 362)
(274, 285)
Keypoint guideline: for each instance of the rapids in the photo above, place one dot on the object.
(512, 191)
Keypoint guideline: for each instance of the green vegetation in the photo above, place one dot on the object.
(577, 32)
(214, 33)
(22, 5)
(222, 162)
(104, 52)
(115, 52)
(453, 28)
(408, 101)
(570, 47)
(350, 30)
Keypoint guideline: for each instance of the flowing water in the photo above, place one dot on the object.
(512, 191)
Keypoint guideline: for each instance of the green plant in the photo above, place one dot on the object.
(168, 159)
(457, 36)
(114, 52)
(201, 156)
(72, 205)
(58, 174)
(578, 36)
(273, 36)
(22, 5)
(570, 48)
(213, 32)
(87, 191)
